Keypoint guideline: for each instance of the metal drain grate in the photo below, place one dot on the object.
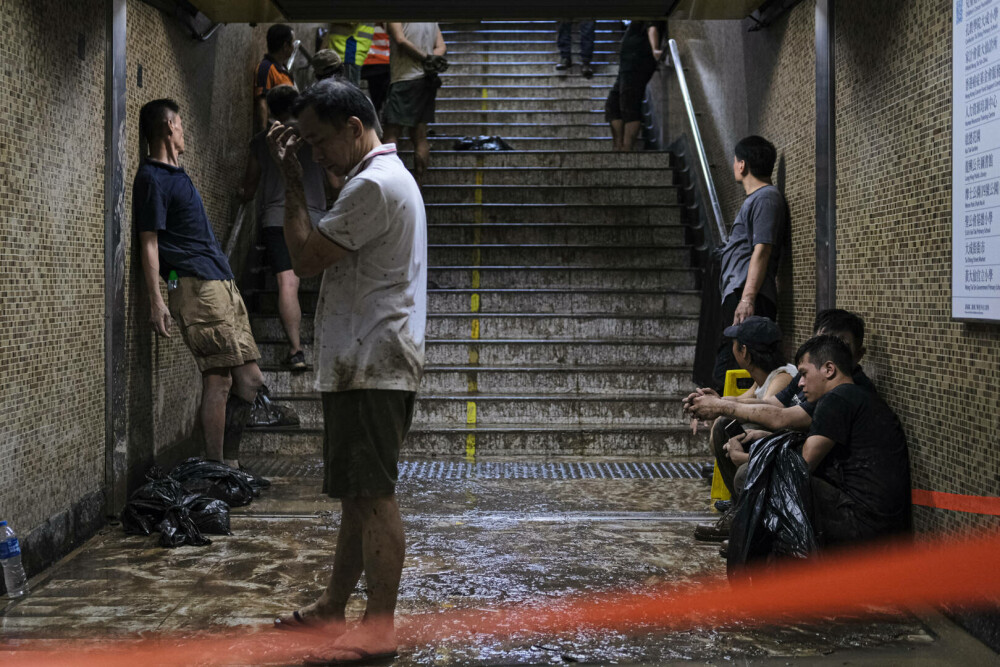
(444, 470)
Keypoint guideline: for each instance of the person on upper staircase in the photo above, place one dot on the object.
(640, 52)
(351, 42)
(564, 40)
(271, 71)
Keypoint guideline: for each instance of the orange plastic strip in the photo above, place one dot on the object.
(894, 575)
(957, 502)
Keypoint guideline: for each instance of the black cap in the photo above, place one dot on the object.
(754, 331)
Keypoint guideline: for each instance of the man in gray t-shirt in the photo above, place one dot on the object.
(262, 173)
(749, 260)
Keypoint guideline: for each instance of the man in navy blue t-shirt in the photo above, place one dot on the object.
(176, 243)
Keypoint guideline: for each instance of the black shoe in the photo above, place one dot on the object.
(297, 361)
(707, 470)
(723, 505)
(565, 63)
(586, 71)
(716, 531)
(724, 549)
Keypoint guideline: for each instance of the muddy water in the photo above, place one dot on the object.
(472, 544)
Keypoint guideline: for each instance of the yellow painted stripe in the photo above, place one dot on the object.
(485, 96)
(475, 278)
(470, 446)
(470, 412)
(474, 303)
(473, 355)
(475, 329)
(473, 383)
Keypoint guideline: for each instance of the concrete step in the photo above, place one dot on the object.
(590, 195)
(534, 379)
(466, 66)
(560, 255)
(529, 129)
(628, 214)
(527, 352)
(540, 103)
(549, 177)
(523, 325)
(570, 88)
(524, 34)
(504, 410)
(548, 117)
(539, 439)
(525, 143)
(601, 159)
(514, 56)
(521, 301)
(500, 24)
(557, 233)
(550, 79)
(551, 277)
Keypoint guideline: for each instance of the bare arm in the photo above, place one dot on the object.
(440, 48)
(395, 31)
(815, 449)
(755, 279)
(310, 251)
(159, 314)
(777, 385)
(654, 41)
(251, 178)
(769, 416)
(259, 114)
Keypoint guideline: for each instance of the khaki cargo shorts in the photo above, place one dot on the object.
(213, 322)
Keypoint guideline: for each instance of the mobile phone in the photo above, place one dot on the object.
(734, 429)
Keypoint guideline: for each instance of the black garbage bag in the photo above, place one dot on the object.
(772, 517)
(482, 143)
(164, 505)
(216, 480)
(265, 412)
(211, 516)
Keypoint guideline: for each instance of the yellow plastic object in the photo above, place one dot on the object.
(731, 388)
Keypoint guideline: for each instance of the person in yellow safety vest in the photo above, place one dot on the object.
(351, 42)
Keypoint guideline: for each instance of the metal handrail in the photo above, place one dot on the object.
(699, 147)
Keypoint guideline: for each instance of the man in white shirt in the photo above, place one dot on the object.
(372, 250)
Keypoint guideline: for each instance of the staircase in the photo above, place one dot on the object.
(562, 304)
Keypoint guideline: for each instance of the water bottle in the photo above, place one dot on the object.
(10, 557)
(172, 280)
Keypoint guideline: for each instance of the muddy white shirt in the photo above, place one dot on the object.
(372, 309)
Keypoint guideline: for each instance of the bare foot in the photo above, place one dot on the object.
(366, 643)
(313, 617)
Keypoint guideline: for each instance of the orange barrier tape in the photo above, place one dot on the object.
(900, 574)
(957, 502)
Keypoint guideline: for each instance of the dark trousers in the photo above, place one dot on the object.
(377, 77)
(565, 40)
(733, 476)
(724, 359)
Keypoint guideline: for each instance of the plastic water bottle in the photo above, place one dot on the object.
(172, 281)
(10, 557)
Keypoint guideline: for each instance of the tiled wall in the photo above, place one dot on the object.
(893, 94)
(51, 257)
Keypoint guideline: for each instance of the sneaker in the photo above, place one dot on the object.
(716, 531)
(586, 71)
(565, 63)
(297, 361)
(723, 505)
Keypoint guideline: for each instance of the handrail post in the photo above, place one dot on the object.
(699, 147)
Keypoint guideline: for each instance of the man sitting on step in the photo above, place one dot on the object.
(370, 319)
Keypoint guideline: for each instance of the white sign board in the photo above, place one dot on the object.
(975, 268)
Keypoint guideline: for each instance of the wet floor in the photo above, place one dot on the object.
(473, 543)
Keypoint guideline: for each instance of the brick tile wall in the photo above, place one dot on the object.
(51, 257)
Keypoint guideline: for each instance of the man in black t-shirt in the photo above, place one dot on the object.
(176, 243)
(640, 52)
(856, 450)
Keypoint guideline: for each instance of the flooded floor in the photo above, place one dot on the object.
(472, 543)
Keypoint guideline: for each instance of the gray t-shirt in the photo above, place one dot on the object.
(271, 199)
(403, 66)
(763, 218)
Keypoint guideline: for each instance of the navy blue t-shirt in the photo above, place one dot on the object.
(164, 200)
(793, 395)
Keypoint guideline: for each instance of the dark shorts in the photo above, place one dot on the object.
(275, 250)
(624, 102)
(411, 102)
(363, 431)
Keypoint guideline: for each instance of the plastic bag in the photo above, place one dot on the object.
(180, 516)
(482, 143)
(772, 516)
(266, 413)
(216, 480)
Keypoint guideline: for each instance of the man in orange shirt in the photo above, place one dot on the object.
(271, 71)
(376, 69)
